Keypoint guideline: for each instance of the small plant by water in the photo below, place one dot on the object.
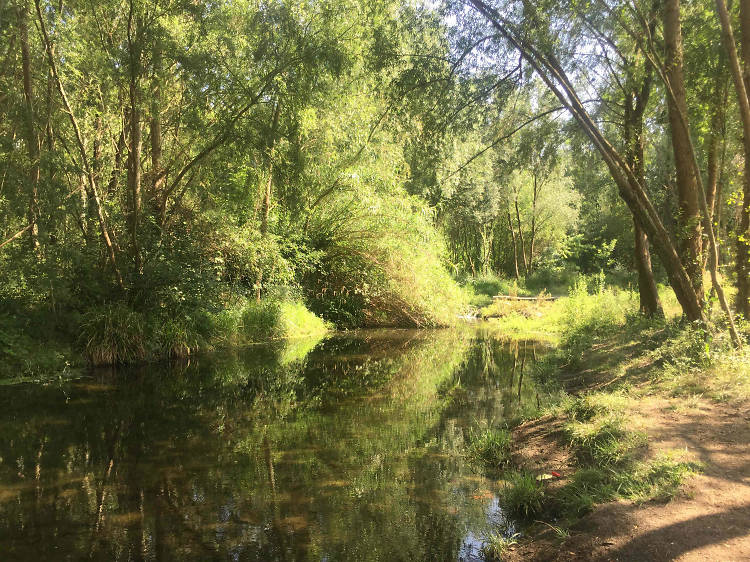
(490, 449)
(495, 545)
(522, 495)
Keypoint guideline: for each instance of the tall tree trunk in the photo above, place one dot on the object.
(32, 137)
(635, 107)
(743, 233)
(532, 236)
(715, 141)
(742, 88)
(650, 305)
(515, 246)
(689, 230)
(135, 142)
(266, 210)
(520, 237)
(157, 168)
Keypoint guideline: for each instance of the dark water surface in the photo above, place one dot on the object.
(346, 449)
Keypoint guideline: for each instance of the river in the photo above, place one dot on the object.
(344, 449)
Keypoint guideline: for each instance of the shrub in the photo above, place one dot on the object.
(381, 264)
(113, 334)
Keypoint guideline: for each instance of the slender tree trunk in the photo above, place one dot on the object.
(157, 168)
(32, 137)
(266, 210)
(689, 232)
(532, 237)
(743, 231)
(117, 167)
(715, 141)
(742, 87)
(520, 237)
(650, 304)
(135, 142)
(635, 107)
(515, 246)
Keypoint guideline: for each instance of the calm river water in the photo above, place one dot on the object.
(345, 449)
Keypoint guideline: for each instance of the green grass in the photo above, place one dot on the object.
(271, 320)
(610, 460)
(602, 342)
(489, 449)
(496, 545)
(657, 479)
(604, 442)
(522, 495)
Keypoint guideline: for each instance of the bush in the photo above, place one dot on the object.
(113, 334)
(381, 264)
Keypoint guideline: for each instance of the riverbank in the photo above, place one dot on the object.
(42, 347)
(644, 455)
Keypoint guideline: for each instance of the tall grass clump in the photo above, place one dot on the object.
(177, 338)
(273, 319)
(489, 449)
(596, 430)
(113, 334)
(522, 495)
(495, 545)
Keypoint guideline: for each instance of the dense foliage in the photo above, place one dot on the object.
(170, 168)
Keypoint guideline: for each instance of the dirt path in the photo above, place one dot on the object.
(710, 522)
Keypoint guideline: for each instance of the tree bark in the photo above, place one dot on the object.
(742, 87)
(743, 231)
(650, 305)
(157, 168)
(689, 232)
(532, 236)
(636, 101)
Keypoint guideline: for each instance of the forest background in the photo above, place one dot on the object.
(177, 176)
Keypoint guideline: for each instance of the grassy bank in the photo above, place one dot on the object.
(34, 346)
(607, 366)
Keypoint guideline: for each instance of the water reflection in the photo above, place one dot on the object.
(344, 450)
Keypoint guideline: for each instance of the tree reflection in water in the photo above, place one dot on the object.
(345, 449)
